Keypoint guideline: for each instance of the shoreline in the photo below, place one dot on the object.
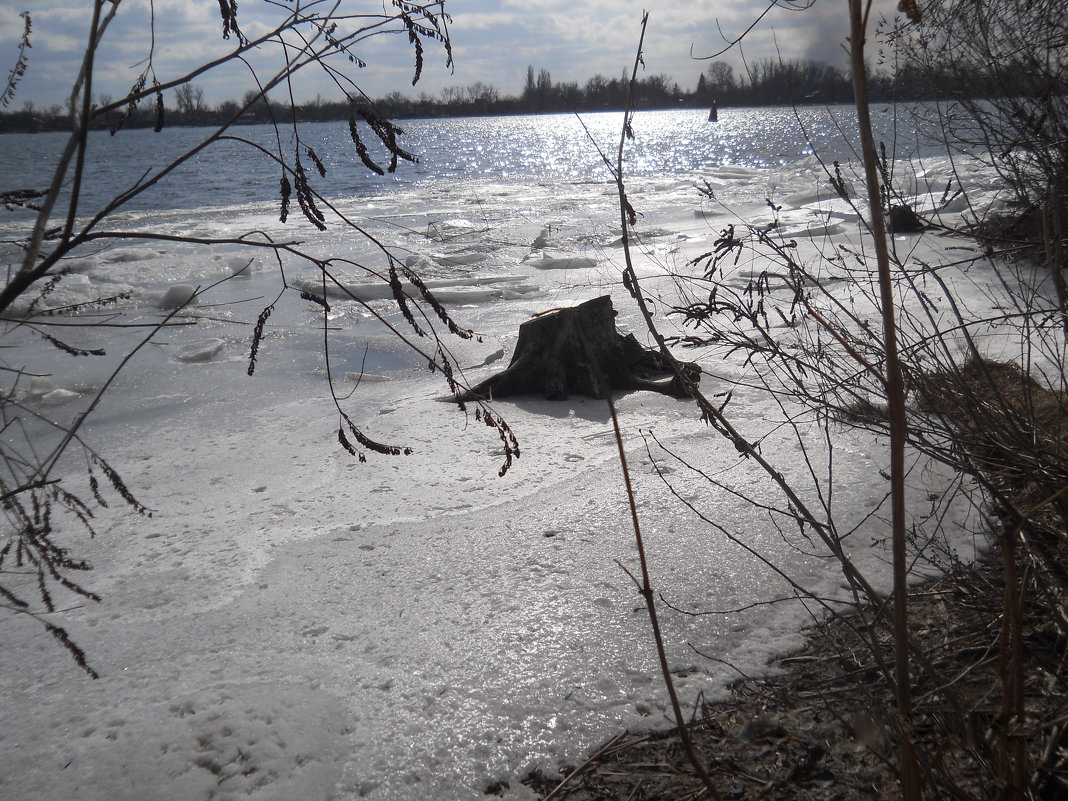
(823, 725)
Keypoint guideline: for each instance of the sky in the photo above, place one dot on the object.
(493, 43)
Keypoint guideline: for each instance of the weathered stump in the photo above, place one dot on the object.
(578, 351)
(903, 220)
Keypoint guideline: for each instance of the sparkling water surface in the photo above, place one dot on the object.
(547, 147)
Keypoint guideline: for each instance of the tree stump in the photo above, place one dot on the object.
(903, 220)
(578, 351)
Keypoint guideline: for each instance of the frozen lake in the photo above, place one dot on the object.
(291, 622)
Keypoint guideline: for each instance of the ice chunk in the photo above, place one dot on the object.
(450, 229)
(57, 397)
(203, 351)
(416, 261)
(130, 254)
(177, 296)
(447, 290)
(452, 259)
(548, 262)
(242, 266)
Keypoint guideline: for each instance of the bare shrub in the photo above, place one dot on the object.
(37, 493)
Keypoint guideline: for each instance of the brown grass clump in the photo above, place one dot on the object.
(1011, 430)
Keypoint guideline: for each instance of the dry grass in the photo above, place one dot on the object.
(825, 727)
(1015, 429)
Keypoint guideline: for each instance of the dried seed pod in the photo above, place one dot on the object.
(257, 336)
(318, 164)
(315, 299)
(345, 442)
(377, 447)
(159, 110)
(135, 90)
(228, 10)
(19, 69)
(306, 198)
(435, 304)
(361, 149)
(73, 351)
(120, 486)
(286, 190)
(401, 299)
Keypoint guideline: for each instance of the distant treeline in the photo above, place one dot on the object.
(767, 82)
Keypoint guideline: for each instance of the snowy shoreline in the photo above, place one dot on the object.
(293, 623)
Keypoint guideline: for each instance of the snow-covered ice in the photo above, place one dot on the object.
(292, 623)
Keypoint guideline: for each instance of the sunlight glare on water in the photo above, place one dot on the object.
(540, 147)
(566, 146)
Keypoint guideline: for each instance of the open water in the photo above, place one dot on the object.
(556, 147)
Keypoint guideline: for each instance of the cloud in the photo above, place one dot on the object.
(493, 42)
(826, 29)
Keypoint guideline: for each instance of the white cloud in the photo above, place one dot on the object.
(493, 42)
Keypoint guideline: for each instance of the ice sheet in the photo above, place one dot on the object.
(293, 623)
